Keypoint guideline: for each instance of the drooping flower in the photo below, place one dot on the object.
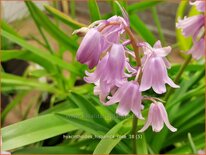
(194, 27)
(191, 25)
(129, 98)
(99, 37)
(200, 5)
(109, 71)
(198, 49)
(111, 68)
(155, 69)
(157, 117)
(91, 48)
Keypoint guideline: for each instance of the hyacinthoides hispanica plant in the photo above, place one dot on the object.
(104, 48)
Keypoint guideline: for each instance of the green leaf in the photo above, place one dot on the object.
(8, 28)
(114, 135)
(94, 10)
(158, 24)
(82, 124)
(185, 149)
(41, 53)
(140, 6)
(40, 128)
(72, 8)
(17, 99)
(142, 145)
(192, 145)
(28, 56)
(51, 28)
(88, 109)
(35, 129)
(10, 79)
(141, 28)
(64, 18)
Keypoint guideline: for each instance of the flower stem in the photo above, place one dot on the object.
(138, 61)
(134, 135)
(179, 74)
(134, 45)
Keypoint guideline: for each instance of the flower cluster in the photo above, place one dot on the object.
(194, 27)
(104, 50)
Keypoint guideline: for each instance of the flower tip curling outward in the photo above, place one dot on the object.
(157, 117)
(129, 98)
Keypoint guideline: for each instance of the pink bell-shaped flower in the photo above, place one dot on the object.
(191, 25)
(198, 49)
(155, 69)
(200, 5)
(91, 48)
(111, 68)
(109, 71)
(129, 98)
(157, 117)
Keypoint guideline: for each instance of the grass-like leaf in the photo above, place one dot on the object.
(41, 53)
(94, 10)
(142, 29)
(64, 18)
(112, 138)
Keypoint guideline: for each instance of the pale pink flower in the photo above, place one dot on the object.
(201, 152)
(109, 71)
(91, 48)
(200, 5)
(111, 68)
(157, 117)
(98, 39)
(129, 98)
(191, 26)
(198, 49)
(155, 69)
(194, 27)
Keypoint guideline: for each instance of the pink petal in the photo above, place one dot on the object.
(149, 119)
(165, 117)
(125, 103)
(157, 121)
(198, 49)
(146, 81)
(171, 83)
(200, 5)
(190, 26)
(157, 73)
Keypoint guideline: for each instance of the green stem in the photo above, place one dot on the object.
(134, 135)
(192, 145)
(179, 74)
(158, 24)
(72, 8)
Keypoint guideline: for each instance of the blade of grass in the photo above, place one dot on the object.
(11, 79)
(72, 8)
(12, 104)
(158, 24)
(114, 135)
(53, 59)
(94, 10)
(51, 28)
(64, 18)
(142, 29)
